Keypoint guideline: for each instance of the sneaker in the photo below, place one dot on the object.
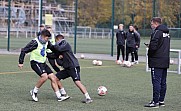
(87, 101)
(34, 96)
(161, 103)
(136, 62)
(152, 104)
(63, 98)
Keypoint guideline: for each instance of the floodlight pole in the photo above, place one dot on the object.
(75, 30)
(9, 21)
(40, 12)
(112, 26)
(154, 8)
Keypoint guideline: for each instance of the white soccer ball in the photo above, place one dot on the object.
(171, 61)
(82, 56)
(94, 62)
(118, 62)
(99, 63)
(102, 90)
(127, 63)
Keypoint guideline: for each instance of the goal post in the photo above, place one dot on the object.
(175, 61)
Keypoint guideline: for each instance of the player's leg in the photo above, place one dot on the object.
(163, 88)
(53, 64)
(75, 74)
(136, 56)
(38, 68)
(132, 55)
(118, 52)
(54, 84)
(123, 52)
(127, 53)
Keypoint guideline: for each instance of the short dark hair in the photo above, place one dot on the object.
(45, 33)
(59, 36)
(156, 19)
(136, 27)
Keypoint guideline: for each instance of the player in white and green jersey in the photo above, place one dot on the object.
(37, 49)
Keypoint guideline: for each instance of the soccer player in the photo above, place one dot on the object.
(37, 48)
(70, 64)
(52, 40)
(120, 40)
(137, 44)
(158, 61)
(131, 40)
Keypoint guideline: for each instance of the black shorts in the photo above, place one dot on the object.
(74, 73)
(40, 68)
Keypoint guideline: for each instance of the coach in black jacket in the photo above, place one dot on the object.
(158, 61)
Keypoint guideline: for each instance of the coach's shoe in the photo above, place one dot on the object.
(63, 98)
(161, 103)
(152, 104)
(87, 101)
(34, 96)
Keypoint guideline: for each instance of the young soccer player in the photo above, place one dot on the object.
(70, 64)
(37, 48)
(52, 40)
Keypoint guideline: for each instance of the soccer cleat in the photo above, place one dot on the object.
(63, 98)
(87, 101)
(34, 96)
(161, 103)
(152, 104)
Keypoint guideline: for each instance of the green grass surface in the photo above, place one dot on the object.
(128, 88)
(84, 45)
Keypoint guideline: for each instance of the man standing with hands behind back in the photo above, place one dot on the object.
(158, 61)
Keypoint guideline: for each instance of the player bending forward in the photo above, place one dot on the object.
(70, 64)
(37, 48)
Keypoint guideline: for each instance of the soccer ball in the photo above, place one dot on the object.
(118, 62)
(94, 62)
(102, 90)
(171, 62)
(127, 63)
(99, 63)
(82, 56)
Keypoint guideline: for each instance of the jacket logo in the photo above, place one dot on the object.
(166, 35)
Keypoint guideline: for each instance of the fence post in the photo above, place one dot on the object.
(9, 17)
(112, 21)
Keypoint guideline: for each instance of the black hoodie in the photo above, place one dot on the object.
(159, 48)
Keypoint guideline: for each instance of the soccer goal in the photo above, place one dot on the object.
(175, 61)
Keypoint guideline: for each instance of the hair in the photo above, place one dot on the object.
(156, 20)
(59, 36)
(45, 33)
(136, 27)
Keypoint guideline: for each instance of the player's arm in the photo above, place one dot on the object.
(154, 42)
(28, 48)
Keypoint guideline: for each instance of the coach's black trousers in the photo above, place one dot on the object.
(159, 76)
(122, 48)
(136, 54)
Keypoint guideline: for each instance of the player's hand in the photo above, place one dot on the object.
(60, 56)
(136, 46)
(20, 66)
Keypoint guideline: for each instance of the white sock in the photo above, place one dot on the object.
(58, 94)
(62, 91)
(87, 96)
(35, 90)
